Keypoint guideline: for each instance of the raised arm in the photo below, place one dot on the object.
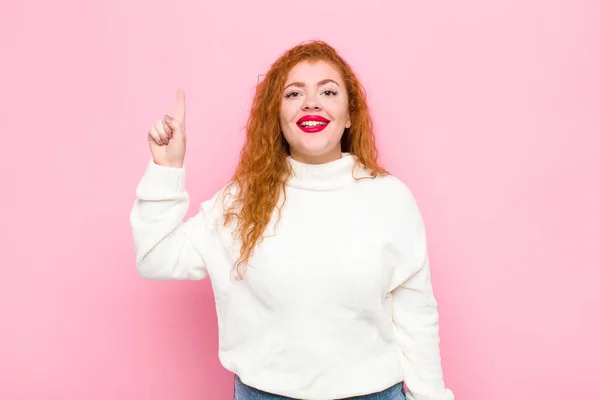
(167, 247)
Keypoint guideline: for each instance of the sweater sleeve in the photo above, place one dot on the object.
(415, 311)
(166, 246)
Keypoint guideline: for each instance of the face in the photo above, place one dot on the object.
(314, 112)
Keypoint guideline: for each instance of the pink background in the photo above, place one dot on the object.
(488, 110)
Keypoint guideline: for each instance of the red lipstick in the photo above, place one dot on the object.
(312, 128)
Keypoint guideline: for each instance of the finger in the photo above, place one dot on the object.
(174, 124)
(168, 130)
(154, 136)
(179, 110)
(161, 132)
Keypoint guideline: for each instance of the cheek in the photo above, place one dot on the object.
(287, 113)
(338, 108)
(286, 122)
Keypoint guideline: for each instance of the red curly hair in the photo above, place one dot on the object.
(263, 169)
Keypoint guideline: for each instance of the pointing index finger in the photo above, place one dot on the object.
(179, 111)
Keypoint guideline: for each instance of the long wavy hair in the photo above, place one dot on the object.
(263, 170)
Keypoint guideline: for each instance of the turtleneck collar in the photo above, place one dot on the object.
(328, 176)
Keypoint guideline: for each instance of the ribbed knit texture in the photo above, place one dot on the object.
(337, 300)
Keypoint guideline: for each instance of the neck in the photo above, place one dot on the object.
(333, 155)
(329, 175)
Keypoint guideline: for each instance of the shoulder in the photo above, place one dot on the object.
(394, 198)
(392, 188)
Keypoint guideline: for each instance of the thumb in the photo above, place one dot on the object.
(175, 125)
(179, 110)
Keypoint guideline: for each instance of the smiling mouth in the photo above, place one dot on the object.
(312, 126)
(312, 123)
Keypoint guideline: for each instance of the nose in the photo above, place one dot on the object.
(311, 104)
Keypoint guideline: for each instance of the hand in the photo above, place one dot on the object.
(167, 136)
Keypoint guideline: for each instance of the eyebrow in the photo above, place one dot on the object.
(302, 84)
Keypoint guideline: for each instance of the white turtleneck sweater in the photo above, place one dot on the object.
(337, 300)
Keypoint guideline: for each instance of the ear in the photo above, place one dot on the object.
(348, 122)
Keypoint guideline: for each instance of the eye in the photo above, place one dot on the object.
(330, 93)
(292, 94)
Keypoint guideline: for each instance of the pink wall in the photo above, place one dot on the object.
(489, 110)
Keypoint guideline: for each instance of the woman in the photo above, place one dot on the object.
(316, 254)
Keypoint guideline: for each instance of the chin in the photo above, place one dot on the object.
(314, 150)
(314, 154)
(318, 147)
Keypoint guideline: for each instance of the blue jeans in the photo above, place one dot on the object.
(242, 391)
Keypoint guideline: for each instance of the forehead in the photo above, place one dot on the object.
(313, 72)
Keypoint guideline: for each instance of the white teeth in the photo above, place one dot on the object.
(312, 123)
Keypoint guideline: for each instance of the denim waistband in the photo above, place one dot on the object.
(241, 391)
